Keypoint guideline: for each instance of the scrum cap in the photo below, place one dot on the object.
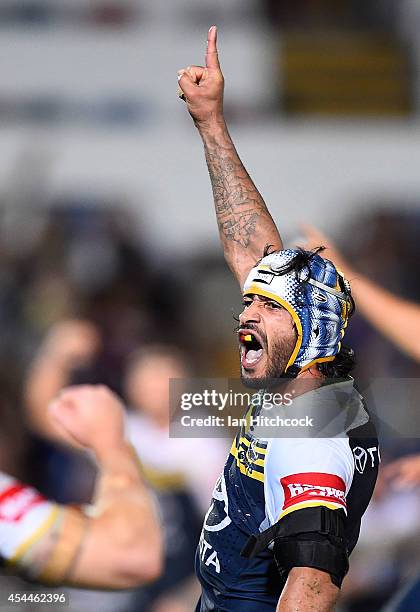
(316, 295)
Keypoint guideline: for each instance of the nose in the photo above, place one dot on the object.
(251, 314)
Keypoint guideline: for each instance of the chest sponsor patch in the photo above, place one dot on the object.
(313, 486)
(16, 501)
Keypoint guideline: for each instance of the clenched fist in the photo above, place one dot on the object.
(89, 416)
(203, 86)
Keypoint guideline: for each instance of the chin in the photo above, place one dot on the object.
(253, 380)
(261, 380)
(253, 383)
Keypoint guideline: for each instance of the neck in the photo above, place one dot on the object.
(306, 381)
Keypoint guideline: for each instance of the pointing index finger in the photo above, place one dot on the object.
(212, 60)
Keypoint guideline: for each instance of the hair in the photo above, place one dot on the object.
(344, 361)
(269, 250)
(301, 260)
(341, 366)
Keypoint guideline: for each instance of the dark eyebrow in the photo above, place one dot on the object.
(262, 298)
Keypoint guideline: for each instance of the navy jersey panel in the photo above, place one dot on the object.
(231, 518)
(208, 603)
(365, 448)
(225, 575)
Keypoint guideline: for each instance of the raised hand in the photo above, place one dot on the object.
(203, 86)
(245, 225)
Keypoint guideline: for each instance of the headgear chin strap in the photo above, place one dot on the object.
(315, 294)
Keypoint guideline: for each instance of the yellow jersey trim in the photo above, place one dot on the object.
(38, 533)
(246, 442)
(318, 360)
(311, 504)
(250, 473)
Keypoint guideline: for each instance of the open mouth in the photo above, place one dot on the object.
(251, 349)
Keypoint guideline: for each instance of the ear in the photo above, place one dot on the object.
(315, 371)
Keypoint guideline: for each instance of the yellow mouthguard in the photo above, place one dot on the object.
(248, 338)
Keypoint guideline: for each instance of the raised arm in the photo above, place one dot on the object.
(245, 225)
(69, 345)
(117, 544)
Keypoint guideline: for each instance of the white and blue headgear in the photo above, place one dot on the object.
(315, 294)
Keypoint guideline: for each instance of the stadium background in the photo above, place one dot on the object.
(106, 208)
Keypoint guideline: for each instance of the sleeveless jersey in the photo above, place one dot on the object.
(25, 515)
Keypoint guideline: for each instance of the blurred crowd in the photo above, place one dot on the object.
(81, 302)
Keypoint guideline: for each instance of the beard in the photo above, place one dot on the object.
(277, 361)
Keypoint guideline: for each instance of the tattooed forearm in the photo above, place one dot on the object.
(245, 225)
(238, 204)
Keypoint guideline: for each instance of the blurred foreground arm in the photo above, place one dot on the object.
(119, 544)
(69, 345)
(245, 225)
(396, 318)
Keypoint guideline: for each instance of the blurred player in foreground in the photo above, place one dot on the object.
(182, 488)
(292, 502)
(116, 544)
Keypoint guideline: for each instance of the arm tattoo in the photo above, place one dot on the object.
(238, 204)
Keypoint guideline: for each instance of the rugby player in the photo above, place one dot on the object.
(116, 542)
(286, 511)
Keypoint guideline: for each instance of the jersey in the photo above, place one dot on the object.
(25, 516)
(267, 478)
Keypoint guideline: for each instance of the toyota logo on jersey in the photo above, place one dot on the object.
(360, 458)
(313, 486)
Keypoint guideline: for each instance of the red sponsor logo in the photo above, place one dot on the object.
(16, 501)
(313, 486)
